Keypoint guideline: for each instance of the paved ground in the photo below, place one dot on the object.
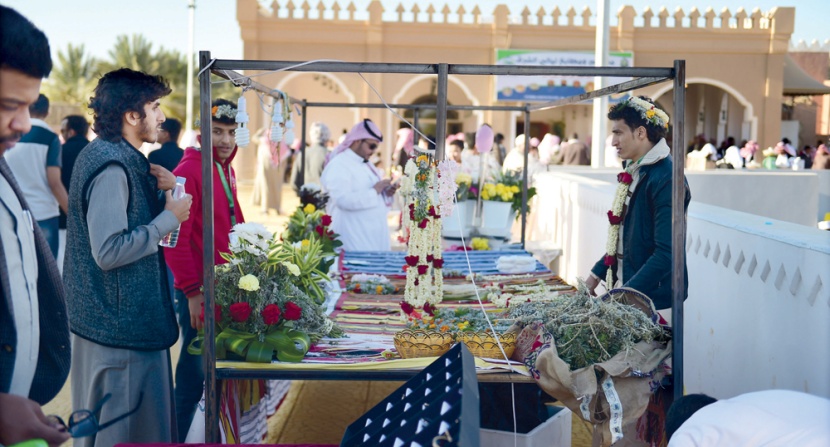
(313, 411)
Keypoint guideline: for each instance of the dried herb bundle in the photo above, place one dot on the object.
(588, 330)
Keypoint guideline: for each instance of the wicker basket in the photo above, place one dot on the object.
(483, 344)
(419, 343)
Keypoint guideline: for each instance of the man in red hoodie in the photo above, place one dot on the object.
(186, 258)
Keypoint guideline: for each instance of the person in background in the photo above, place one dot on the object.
(74, 129)
(119, 309)
(454, 150)
(822, 158)
(404, 147)
(315, 157)
(499, 150)
(575, 152)
(359, 196)
(36, 162)
(34, 333)
(186, 258)
(169, 154)
(760, 418)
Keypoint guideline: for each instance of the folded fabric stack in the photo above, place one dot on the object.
(516, 264)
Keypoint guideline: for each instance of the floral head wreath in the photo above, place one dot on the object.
(648, 111)
(224, 110)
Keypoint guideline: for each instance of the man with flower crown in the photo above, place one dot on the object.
(359, 196)
(639, 246)
(185, 259)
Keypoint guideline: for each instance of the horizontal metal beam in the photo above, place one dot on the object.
(549, 70)
(611, 89)
(459, 69)
(241, 80)
(331, 374)
(415, 106)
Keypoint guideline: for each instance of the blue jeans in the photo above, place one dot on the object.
(190, 372)
(49, 228)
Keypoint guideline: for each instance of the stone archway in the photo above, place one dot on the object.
(704, 101)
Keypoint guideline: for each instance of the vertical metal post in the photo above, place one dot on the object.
(188, 108)
(524, 172)
(415, 137)
(441, 113)
(302, 144)
(678, 224)
(209, 351)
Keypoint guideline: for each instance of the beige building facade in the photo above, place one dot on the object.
(734, 59)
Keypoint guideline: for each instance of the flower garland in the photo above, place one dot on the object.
(424, 279)
(615, 218)
(447, 171)
(648, 111)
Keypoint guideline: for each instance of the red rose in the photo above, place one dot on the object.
(615, 220)
(422, 269)
(406, 307)
(411, 260)
(610, 260)
(412, 207)
(624, 177)
(417, 282)
(293, 311)
(217, 313)
(325, 220)
(428, 309)
(271, 314)
(320, 230)
(411, 214)
(430, 258)
(240, 312)
(431, 211)
(423, 223)
(438, 263)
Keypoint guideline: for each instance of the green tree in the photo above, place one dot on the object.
(73, 78)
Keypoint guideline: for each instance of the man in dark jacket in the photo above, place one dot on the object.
(169, 154)
(34, 334)
(74, 129)
(642, 257)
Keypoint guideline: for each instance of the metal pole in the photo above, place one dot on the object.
(209, 351)
(678, 224)
(598, 125)
(191, 6)
(441, 113)
(416, 137)
(302, 145)
(524, 172)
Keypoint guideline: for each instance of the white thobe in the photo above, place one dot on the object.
(358, 212)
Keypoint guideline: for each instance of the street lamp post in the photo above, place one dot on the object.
(191, 8)
(599, 126)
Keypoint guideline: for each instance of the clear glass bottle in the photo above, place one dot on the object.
(170, 239)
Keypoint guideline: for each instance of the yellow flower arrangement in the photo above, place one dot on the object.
(498, 192)
(480, 243)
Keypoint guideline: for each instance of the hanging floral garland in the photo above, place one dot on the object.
(424, 182)
(615, 218)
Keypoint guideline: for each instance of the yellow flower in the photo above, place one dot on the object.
(650, 114)
(379, 290)
(485, 195)
(514, 189)
(422, 158)
(292, 268)
(310, 208)
(480, 243)
(249, 282)
(305, 243)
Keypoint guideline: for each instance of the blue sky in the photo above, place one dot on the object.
(96, 23)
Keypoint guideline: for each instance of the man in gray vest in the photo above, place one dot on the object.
(119, 307)
(34, 335)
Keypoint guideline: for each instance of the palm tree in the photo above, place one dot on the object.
(73, 78)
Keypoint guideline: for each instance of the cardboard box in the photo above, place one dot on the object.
(555, 432)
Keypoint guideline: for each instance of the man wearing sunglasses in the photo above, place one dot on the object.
(359, 196)
(34, 335)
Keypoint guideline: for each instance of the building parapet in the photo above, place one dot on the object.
(627, 17)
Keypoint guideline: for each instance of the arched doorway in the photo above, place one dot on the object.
(427, 117)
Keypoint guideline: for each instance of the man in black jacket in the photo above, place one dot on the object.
(34, 333)
(641, 257)
(169, 154)
(74, 129)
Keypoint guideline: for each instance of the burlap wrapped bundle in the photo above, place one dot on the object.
(610, 394)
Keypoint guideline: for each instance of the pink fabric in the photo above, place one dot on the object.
(358, 132)
(406, 141)
(484, 139)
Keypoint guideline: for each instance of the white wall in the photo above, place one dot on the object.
(759, 289)
(791, 196)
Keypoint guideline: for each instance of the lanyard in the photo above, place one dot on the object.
(227, 191)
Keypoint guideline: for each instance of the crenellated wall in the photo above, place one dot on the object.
(759, 289)
(740, 52)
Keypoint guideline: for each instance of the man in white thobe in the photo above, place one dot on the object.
(359, 196)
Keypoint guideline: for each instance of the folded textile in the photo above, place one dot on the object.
(516, 264)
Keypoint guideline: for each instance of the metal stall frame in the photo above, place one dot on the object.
(644, 76)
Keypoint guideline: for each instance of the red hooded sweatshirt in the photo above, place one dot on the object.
(185, 259)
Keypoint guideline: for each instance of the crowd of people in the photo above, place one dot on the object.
(747, 154)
